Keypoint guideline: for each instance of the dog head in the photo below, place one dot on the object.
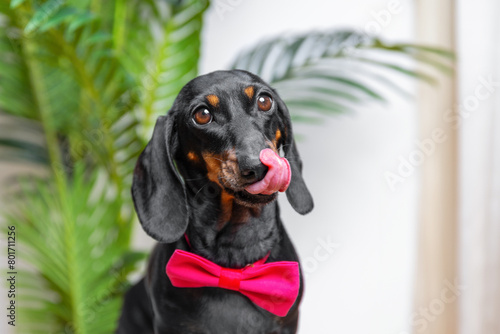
(214, 134)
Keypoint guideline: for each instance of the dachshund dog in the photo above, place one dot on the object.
(205, 187)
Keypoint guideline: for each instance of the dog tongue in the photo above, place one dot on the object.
(277, 177)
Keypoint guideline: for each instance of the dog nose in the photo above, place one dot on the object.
(252, 170)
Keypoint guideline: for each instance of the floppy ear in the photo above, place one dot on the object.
(157, 188)
(297, 193)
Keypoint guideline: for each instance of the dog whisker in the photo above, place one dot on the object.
(206, 184)
(216, 158)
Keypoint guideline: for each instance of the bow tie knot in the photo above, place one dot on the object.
(230, 279)
(272, 286)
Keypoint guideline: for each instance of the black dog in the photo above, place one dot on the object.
(189, 193)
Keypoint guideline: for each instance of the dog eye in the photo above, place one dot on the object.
(202, 116)
(264, 102)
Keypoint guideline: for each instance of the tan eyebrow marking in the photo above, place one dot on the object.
(249, 91)
(193, 157)
(213, 100)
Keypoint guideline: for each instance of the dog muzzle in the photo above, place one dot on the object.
(277, 177)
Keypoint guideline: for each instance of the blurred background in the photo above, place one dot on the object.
(400, 143)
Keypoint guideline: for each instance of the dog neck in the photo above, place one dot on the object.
(230, 234)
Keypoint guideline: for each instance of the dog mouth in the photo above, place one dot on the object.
(277, 177)
(242, 196)
(265, 190)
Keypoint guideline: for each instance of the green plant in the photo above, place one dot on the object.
(82, 82)
(69, 232)
(86, 80)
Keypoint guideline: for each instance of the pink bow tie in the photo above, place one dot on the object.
(272, 286)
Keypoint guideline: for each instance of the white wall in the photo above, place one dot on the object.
(479, 104)
(366, 284)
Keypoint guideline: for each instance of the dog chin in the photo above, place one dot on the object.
(245, 198)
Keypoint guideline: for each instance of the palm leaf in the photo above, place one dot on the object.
(135, 22)
(71, 237)
(23, 150)
(21, 140)
(176, 62)
(15, 90)
(332, 72)
(43, 14)
(76, 60)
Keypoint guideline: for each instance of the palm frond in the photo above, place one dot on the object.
(15, 90)
(23, 151)
(176, 61)
(332, 72)
(81, 261)
(43, 14)
(77, 60)
(16, 3)
(135, 22)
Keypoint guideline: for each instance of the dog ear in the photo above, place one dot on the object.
(158, 190)
(297, 193)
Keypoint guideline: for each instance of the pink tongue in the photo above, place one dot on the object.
(277, 177)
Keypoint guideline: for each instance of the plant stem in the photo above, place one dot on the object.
(119, 25)
(59, 173)
(43, 105)
(89, 87)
